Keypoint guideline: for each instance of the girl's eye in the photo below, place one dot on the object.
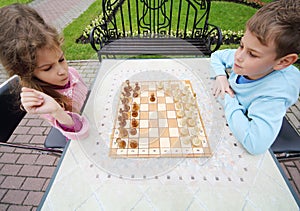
(62, 59)
(47, 69)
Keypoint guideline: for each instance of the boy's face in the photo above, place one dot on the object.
(52, 66)
(253, 59)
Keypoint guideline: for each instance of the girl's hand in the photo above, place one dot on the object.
(36, 102)
(222, 86)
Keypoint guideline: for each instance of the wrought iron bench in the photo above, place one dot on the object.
(149, 27)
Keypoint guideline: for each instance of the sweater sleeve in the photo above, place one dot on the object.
(257, 128)
(220, 61)
(72, 128)
(78, 132)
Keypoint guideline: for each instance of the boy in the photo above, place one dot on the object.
(263, 83)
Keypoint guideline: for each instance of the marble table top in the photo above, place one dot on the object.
(232, 179)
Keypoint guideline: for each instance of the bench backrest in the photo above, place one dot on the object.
(175, 18)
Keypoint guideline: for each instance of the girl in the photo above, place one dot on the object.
(31, 49)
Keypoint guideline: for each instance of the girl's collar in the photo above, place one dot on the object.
(62, 87)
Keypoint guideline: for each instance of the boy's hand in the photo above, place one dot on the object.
(222, 86)
(36, 102)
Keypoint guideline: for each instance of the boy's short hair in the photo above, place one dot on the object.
(278, 22)
(23, 32)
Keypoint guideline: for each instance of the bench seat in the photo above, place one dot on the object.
(155, 27)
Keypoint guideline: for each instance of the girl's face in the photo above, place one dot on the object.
(253, 59)
(52, 67)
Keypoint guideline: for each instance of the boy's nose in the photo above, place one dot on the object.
(239, 55)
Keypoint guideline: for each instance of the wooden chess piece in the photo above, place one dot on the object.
(152, 98)
(134, 114)
(123, 132)
(134, 122)
(126, 107)
(137, 87)
(128, 85)
(121, 143)
(135, 107)
(133, 144)
(135, 94)
(133, 131)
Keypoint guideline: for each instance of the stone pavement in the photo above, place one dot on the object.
(25, 174)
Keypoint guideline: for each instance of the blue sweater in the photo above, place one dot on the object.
(256, 112)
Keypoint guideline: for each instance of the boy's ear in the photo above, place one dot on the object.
(286, 61)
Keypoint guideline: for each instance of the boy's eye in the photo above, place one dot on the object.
(252, 54)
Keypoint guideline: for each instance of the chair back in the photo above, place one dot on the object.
(288, 139)
(10, 112)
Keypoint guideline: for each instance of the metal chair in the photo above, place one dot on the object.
(287, 143)
(11, 115)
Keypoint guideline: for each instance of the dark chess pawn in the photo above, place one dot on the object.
(137, 87)
(120, 118)
(133, 131)
(126, 89)
(152, 97)
(123, 132)
(135, 94)
(126, 94)
(133, 144)
(122, 123)
(126, 107)
(134, 114)
(124, 100)
(125, 115)
(135, 106)
(134, 122)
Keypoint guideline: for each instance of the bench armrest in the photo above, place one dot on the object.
(98, 37)
(214, 36)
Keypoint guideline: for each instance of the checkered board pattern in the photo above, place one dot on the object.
(168, 122)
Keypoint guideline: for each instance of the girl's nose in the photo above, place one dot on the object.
(61, 71)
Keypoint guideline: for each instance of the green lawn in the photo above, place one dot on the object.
(74, 51)
(8, 2)
(230, 16)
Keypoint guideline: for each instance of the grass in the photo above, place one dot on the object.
(230, 16)
(8, 2)
(74, 51)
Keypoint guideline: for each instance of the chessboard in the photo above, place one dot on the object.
(158, 119)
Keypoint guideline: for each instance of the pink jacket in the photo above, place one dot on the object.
(77, 91)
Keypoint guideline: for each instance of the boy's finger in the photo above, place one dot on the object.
(230, 92)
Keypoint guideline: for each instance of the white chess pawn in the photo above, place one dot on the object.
(189, 114)
(191, 122)
(178, 106)
(183, 131)
(195, 131)
(196, 141)
(186, 140)
(160, 85)
(179, 113)
(184, 121)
